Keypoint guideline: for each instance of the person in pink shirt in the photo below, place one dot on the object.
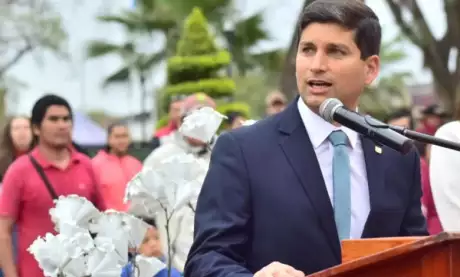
(26, 198)
(15, 141)
(114, 167)
(432, 219)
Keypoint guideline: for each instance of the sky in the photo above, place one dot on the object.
(79, 79)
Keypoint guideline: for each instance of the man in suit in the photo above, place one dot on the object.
(281, 194)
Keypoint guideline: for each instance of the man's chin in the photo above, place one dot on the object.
(314, 101)
(61, 145)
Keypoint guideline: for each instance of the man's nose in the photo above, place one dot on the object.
(318, 62)
(63, 123)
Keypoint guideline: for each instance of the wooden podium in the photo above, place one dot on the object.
(434, 256)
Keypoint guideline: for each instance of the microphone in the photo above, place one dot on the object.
(332, 110)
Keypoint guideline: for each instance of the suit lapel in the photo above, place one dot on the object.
(299, 151)
(373, 156)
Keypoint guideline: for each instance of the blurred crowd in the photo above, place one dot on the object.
(39, 161)
(433, 118)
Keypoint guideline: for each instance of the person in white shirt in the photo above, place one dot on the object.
(445, 178)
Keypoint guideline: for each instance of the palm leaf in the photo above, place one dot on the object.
(97, 48)
(151, 23)
(147, 5)
(147, 61)
(119, 76)
(392, 51)
(390, 56)
(135, 21)
(270, 61)
(128, 21)
(142, 62)
(249, 31)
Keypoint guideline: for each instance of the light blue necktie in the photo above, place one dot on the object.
(341, 181)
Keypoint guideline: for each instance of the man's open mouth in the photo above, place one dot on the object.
(318, 83)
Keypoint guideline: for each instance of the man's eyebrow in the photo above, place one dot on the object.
(333, 44)
(340, 46)
(59, 116)
(306, 43)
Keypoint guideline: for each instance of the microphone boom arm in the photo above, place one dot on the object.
(426, 138)
(414, 135)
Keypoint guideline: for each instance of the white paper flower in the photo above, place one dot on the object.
(201, 124)
(74, 253)
(80, 239)
(148, 266)
(120, 227)
(103, 264)
(142, 190)
(75, 267)
(73, 210)
(57, 254)
(172, 184)
(136, 229)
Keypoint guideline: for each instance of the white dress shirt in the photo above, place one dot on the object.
(445, 178)
(318, 130)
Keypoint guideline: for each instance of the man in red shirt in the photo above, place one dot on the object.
(25, 200)
(175, 109)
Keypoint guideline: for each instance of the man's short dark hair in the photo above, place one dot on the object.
(400, 114)
(41, 107)
(351, 14)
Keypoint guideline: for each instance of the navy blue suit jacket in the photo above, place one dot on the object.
(264, 200)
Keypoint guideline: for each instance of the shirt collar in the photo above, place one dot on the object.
(319, 129)
(44, 163)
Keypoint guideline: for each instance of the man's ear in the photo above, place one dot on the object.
(372, 69)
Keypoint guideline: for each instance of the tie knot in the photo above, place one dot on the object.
(338, 138)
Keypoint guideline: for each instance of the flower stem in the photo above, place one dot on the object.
(168, 237)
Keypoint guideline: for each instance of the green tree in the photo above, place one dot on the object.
(147, 19)
(167, 16)
(29, 27)
(437, 52)
(389, 92)
(253, 88)
(288, 83)
(243, 35)
(198, 64)
(152, 17)
(137, 64)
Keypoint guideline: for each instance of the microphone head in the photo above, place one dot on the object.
(328, 107)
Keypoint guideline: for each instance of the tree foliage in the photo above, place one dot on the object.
(198, 66)
(436, 52)
(389, 92)
(253, 88)
(195, 66)
(28, 27)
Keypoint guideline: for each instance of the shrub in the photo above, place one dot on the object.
(198, 65)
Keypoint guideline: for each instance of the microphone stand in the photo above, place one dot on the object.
(425, 138)
(413, 134)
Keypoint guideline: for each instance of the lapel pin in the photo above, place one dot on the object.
(378, 150)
